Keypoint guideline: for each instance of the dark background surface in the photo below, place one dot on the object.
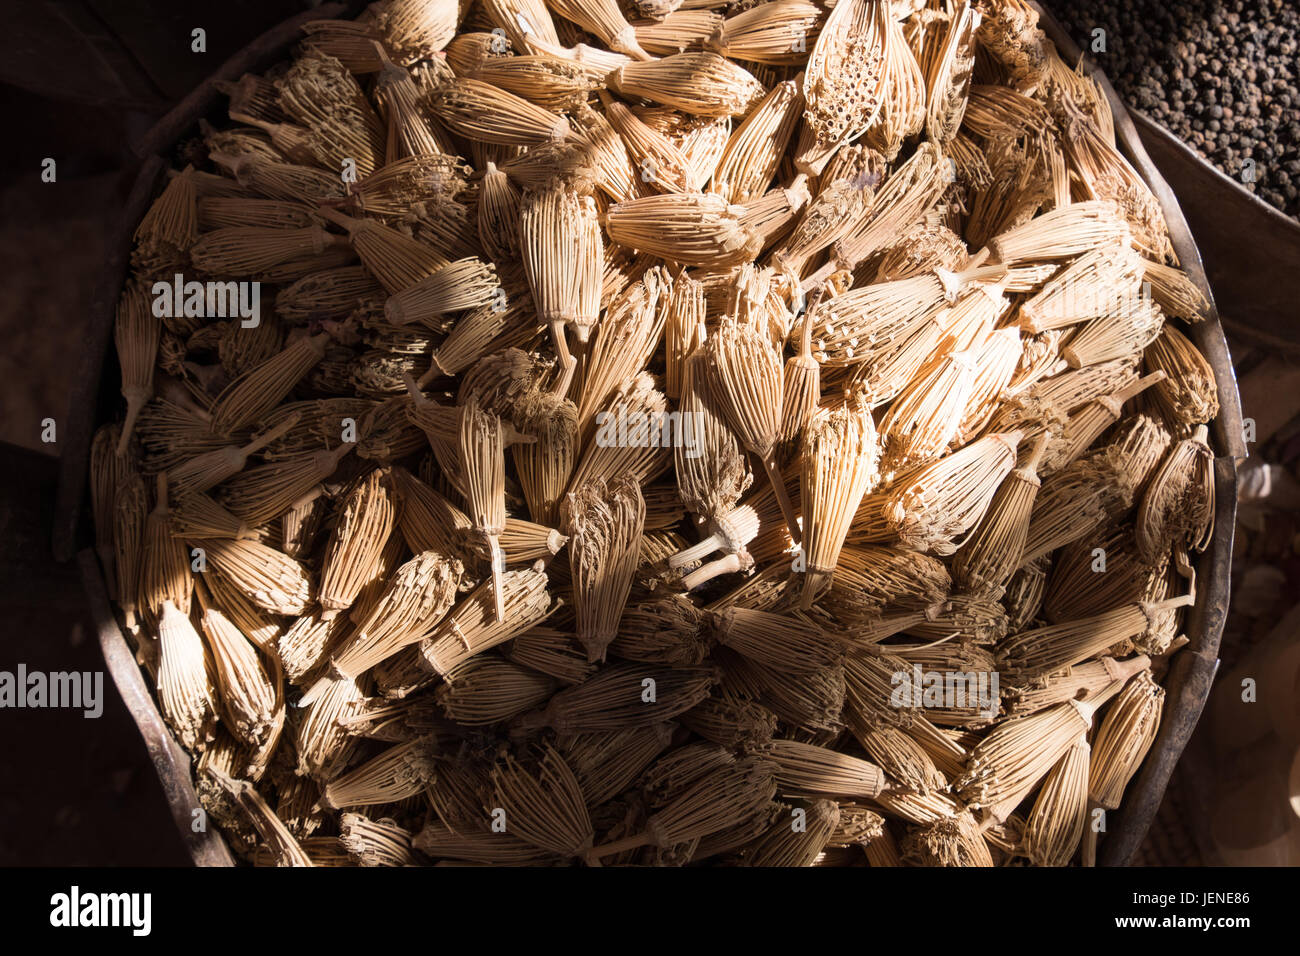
(80, 82)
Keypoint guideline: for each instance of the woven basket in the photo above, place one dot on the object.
(96, 397)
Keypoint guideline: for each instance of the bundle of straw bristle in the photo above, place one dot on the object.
(468, 513)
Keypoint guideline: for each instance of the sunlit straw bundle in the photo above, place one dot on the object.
(307, 642)
(428, 522)
(805, 769)
(604, 20)
(553, 82)
(693, 229)
(1175, 293)
(948, 73)
(186, 696)
(1124, 736)
(1017, 754)
(464, 284)
(485, 113)
(165, 566)
(828, 217)
(258, 625)
(633, 435)
(624, 341)
(844, 79)
(525, 541)
(1043, 650)
(270, 579)
(394, 258)
(711, 469)
(249, 700)
(941, 502)
(555, 244)
(907, 195)
(260, 389)
(677, 31)
(1085, 426)
(840, 456)
(928, 246)
(1076, 500)
(779, 33)
(1178, 507)
(482, 454)
(659, 161)
(866, 323)
(753, 153)
(210, 469)
(1055, 824)
(259, 494)
(778, 641)
(903, 103)
(473, 625)
(993, 552)
(870, 577)
(1188, 394)
(605, 524)
(551, 652)
(997, 361)
(498, 215)
(354, 548)
(323, 744)
(746, 378)
(701, 84)
(1061, 233)
(1091, 287)
(393, 775)
(898, 754)
(1123, 334)
(923, 420)
(802, 388)
(416, 598)
(1080, 682)
(280, 180)
(400, 103)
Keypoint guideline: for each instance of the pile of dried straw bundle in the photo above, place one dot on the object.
(658, 441)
